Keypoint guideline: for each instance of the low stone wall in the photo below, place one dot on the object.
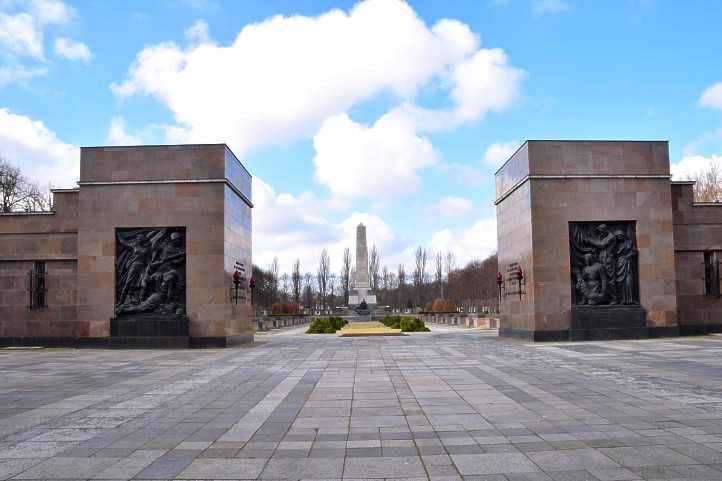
(276, 322)
(463, 320)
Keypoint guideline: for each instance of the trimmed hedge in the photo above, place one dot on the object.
(440, 305)
(284, 308)
(326, 325)
(405, 323)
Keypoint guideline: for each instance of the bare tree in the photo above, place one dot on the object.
(449, 266)
(475, 284)
(472, 286)
(18, 194)
(439, 273)
(11, 181)
(273, 269)
(38, 199)
(385, 279)
(708, 185)
(308, 290)
(449, 263)
(296, 281)
(374, 265)
(401, 276)
(332, 289)
(262, 296)
(322, 277)
(285, 287)
(346, 275)
(419, 272)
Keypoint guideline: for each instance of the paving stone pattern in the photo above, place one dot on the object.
(445, 405)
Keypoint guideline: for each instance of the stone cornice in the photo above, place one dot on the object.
(518, 184)
(173, 181)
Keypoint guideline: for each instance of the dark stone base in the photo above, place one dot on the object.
(671, 331)
(699, 329)
(39, 341)
(600, 334)
(608, 317)
(535, 336)
(601, 323)
(149, 327)
(608, 334)
(220, 342)
(154, 342)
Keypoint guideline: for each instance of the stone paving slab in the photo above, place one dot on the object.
(446, 405)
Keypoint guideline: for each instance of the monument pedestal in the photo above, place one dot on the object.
(598, 323)
(149, 332)
(356, 299)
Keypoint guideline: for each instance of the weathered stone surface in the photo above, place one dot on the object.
(200, 190)
(547, 185)
(441, 405)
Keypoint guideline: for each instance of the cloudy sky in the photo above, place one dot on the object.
(385, 112)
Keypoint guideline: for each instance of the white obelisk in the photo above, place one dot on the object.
(361, 284)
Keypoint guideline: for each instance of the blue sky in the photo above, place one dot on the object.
(395, 114)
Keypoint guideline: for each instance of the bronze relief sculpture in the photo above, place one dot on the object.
(603, 263)
(150, 272)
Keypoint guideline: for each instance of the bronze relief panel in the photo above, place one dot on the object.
(150, 272)
(604, 263)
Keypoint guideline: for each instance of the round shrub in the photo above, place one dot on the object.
(326, 325)
(405, 323)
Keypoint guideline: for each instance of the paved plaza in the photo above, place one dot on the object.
(451, 404)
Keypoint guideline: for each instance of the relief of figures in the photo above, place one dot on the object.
(603, 264)
(150, 272)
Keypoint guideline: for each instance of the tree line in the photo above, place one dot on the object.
(19, 194)
(430, 278)
(708, 183)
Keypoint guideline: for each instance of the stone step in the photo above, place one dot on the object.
(367, 328)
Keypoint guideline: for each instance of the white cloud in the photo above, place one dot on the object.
(37, 150)
(690, 166)
(51, 12)
(204, 5)
(281, 78)
(477, 241)
(198, 33)
(22, 32)
(72, 50)
(287, 226)
(463, 174)
(712, 96)
(288, 78)
(17, 73)
(550, 7)
(297, 227)
(20, 35)
(485, 82)
(455, 206)
(499, 152)
(707, 142)
(157, 134)
(354, 160)
(117, 134)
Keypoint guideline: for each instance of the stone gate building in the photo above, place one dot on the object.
(144, 253)
(596, 242)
